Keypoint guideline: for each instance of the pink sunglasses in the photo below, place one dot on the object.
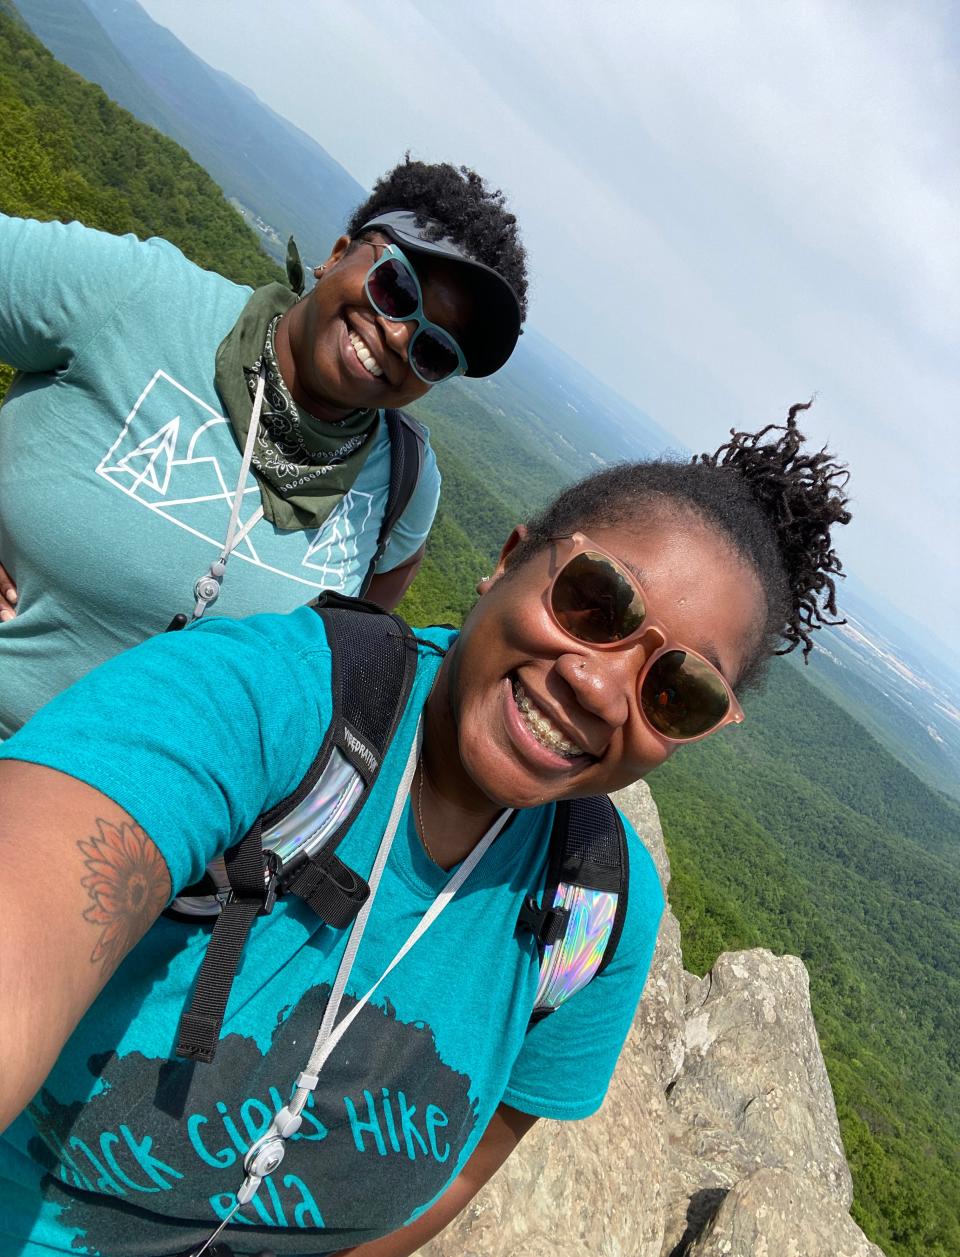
(596, 601)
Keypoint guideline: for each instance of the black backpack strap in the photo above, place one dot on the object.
(589, 866)
(374, 661)
(407, 439)
(253, 892)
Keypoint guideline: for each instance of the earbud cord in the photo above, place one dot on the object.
(207, 588)
(266, 1154)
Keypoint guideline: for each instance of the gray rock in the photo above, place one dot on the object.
(719, 1136)
(637, 803)
(695, 991)
(659, 1024)
(577, 1188)
(773, 1213)
(753, 1093)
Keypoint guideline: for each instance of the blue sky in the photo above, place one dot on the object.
(728, 207)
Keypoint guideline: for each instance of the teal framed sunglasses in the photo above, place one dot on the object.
(394, 291)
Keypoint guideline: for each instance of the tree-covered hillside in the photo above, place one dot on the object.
(66, 152)
(261, 159)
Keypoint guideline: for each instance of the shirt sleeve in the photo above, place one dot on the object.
(58, 284)
(567, 1059)
(413, 526)
(193, 733)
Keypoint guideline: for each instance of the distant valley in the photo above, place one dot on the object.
(909, 699)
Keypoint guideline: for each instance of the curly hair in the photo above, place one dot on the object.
(464, 209)
(773, 500)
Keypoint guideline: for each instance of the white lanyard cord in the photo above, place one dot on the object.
(328, 1038)
(207, 588)
(266, 1154)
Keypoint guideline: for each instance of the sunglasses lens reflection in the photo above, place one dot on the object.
(434, 355)
(393, 290)
(594, 602)
(682, 696)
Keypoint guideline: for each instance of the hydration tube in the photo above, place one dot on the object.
(266, 1154)
(207, 588)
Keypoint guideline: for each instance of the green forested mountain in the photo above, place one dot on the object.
(256, 156)
(66, 152)
(795, 831)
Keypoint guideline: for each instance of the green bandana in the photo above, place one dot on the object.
(304, 466)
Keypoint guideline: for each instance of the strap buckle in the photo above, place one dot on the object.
(271, 888)
(546, 924)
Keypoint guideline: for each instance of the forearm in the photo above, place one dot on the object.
(411, 1238)
(83, 882)
(387, 588)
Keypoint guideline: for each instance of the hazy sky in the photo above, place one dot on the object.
(728, 206)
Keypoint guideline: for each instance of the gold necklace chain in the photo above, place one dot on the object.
(423, 832)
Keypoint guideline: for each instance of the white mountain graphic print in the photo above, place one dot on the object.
(167, 457)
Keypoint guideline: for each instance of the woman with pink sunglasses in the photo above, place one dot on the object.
(615, 628)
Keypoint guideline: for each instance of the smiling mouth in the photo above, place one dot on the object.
(362, 351)
(542, 727)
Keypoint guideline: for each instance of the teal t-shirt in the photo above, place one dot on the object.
(129, 1152)
(118, 466)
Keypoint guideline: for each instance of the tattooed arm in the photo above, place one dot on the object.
(81, 884)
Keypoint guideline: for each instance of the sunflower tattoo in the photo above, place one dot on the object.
(127, 882)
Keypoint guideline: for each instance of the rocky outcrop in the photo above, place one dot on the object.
(773, 1213)
(752, 1094)
(719, 1134)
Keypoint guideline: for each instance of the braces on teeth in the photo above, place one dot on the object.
(541, 728)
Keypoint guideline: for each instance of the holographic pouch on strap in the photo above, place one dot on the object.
(569, 963)
(578, 924)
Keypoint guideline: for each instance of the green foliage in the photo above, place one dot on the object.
(474, 520)
(68, 152)
(497, 451)
(797, 832)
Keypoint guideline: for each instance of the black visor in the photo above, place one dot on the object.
(489, 346)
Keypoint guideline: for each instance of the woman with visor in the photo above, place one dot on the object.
(615, 629)
(166, 419)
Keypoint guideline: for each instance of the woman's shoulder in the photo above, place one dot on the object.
(292, 634)
(294, 648)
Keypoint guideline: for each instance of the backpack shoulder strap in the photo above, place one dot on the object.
(579, 921)
(374, 661)
(292, 846)
(407, 440)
